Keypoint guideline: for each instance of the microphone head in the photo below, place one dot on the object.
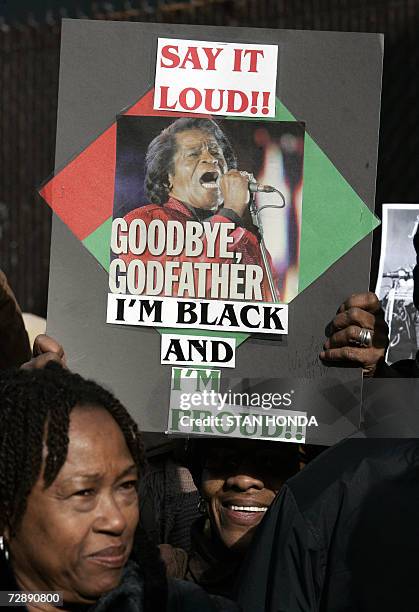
(256, 187)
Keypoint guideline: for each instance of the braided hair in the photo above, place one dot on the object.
(35, 407)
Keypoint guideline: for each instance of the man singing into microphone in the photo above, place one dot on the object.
(192, 175)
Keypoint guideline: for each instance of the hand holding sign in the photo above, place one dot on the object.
(45, 349)
(362, 311)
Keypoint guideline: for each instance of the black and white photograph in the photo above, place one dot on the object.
(395, 279)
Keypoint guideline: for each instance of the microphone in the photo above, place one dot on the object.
(402, 274)
(257, 187)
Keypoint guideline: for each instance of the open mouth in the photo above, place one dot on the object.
(210, 180)
(244, 515)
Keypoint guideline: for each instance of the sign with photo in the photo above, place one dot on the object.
(209, 214)
(183, 228)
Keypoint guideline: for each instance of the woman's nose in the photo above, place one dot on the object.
(244, 482)
(110, 517)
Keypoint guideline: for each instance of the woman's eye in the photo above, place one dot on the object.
(84, 493)
(130, 485)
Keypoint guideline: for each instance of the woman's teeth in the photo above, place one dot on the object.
(249, 508)
(212, 185)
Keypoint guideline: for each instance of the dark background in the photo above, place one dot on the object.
(29, 60)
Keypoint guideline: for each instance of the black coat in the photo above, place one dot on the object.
(342, 536)
(129, 595)
(182, 597)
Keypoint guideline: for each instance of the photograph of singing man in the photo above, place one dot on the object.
(190, 171)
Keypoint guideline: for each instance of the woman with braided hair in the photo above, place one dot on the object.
(70, 460)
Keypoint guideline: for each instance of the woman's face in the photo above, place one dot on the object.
(76, 535)
(240, 481)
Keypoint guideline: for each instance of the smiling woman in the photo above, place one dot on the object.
(238, 480)
(70, 459)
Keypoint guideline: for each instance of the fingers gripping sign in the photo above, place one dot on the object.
(45, 349)
(358, 334)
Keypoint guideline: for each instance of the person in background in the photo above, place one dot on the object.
(342, 535)
(237, 480)
(14, 342)
(15, 350)
(70, 460)
(168, 496)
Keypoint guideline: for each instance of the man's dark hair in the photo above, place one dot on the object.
(161, 151)
(35, 406)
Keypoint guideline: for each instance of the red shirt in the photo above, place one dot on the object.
(244, 241)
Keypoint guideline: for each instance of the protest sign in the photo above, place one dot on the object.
(175, 246)
(216, 78)
(268, 299)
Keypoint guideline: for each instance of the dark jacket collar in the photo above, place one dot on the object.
(211, 564)
(127, 597)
